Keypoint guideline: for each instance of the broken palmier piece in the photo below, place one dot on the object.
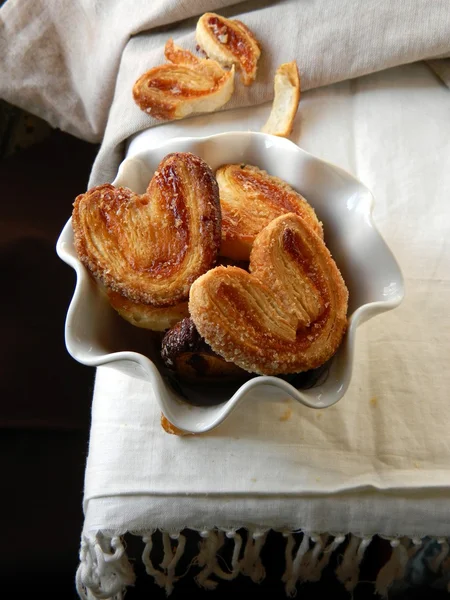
(285, 102)
(288, 315)
(184, 86)
(151, 247)
(229, 42)
(146, 316)
(250, 198)
(169, 428)
(188, 355)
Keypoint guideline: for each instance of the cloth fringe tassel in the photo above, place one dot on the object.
(105, 572)
(394, 570)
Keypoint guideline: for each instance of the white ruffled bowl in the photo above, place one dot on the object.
(95, 335)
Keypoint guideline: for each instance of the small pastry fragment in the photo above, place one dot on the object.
(151, 247)
(230, 43)
(250, 198)
(287, 316)
(146, 316)
(285, 102)
(188, 355)
(184, 86)
(169, 428)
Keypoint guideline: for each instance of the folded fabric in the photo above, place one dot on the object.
(74, 63)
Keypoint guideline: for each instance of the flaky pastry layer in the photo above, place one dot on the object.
(151, 247)
(147, 316)
(288, 315)
(250, 199)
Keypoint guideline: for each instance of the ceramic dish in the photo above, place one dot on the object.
(95, 335)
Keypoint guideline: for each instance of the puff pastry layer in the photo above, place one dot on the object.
(185, 85)
(146, 316)
(151, 247)
(250, 199)
(288, 315)
(229, 42)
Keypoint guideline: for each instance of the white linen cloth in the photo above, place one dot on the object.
(377, 462)
(391, 429)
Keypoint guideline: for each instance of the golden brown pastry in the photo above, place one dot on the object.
(250, 198)
(147, 316)
(288, 315)
(184, 86)
(151, 247)
(229, 42)
(285, 102)
(188, 355)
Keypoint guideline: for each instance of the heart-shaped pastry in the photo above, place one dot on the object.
(250, 199)
(184, 86)
(229, 42)
(288, 315)
(151, 247)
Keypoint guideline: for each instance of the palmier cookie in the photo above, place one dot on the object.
(230, 43)
(287, 315)
(151, 247)
(184, 86)
(250, 199)
(188, 355)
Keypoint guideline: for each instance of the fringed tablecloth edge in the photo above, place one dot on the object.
(105, 570)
